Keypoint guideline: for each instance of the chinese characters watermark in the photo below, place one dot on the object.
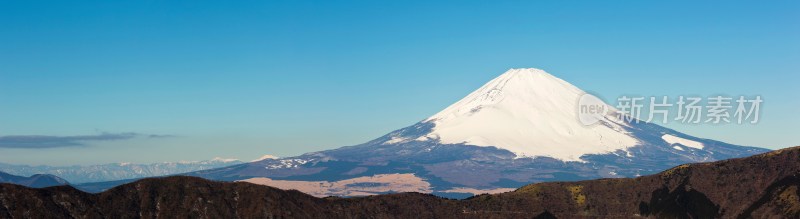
(684, 109)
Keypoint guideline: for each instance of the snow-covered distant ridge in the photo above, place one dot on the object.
(226, 160)
(265, 157)
(117, 171)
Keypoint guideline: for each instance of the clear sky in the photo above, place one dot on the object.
(147, 81)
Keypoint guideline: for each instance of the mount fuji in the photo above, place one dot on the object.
(519, 128)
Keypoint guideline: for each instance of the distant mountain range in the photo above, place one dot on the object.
(116, 171)
(34, 181)
(519, 128)
(760, 186)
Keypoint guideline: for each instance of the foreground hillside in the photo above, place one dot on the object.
(761, 186)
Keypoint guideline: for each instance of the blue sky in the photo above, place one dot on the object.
(147, 81)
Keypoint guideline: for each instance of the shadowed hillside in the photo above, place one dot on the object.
(755, 187)
(34, 181)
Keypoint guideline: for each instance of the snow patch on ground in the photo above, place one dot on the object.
(395, 140)
(671, 139)
(286, 163)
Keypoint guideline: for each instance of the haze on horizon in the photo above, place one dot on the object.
(140, 81)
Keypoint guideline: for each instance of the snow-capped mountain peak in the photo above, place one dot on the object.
(225, 160)
(521, 113)
(529, 112)
(118, 171)
(265, 157)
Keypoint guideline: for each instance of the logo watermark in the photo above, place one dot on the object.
(683, 109)
(591, 109)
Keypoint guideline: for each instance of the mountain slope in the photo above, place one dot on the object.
(761, 186)
(519, 128)
(34, 181)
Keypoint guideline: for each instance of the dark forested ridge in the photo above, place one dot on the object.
(754, 187)
(34, 181)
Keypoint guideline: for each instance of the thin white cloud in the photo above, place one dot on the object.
(49, 141)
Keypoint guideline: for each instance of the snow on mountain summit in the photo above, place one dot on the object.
(265, 157)
(225, 160)
(528, 112)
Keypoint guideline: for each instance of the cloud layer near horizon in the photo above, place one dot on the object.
(49, 141)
